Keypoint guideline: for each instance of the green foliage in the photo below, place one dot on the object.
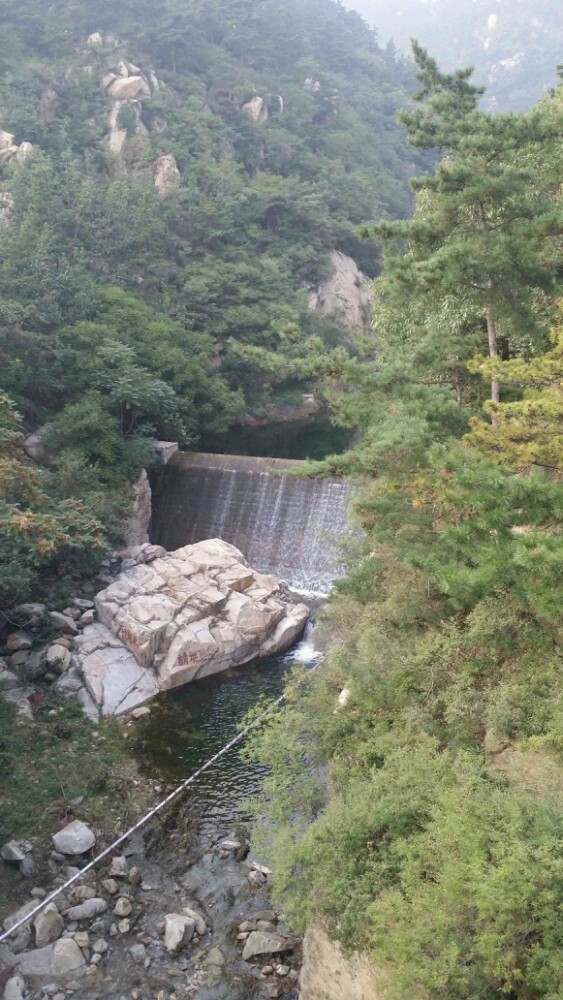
(435, 843)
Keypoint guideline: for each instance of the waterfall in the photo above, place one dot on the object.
(284, 525)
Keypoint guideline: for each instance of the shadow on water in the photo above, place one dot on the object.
(191, 724)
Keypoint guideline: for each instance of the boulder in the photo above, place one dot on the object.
(48, 926)
(31, 613)
(199, 922)
(75, 838)
(19, 696)
(25, 150)
(8, 680)
(345, 296)
(64, 623)
(12, 851)
(128, 88)
(14, 918)
(7, 140)
(95, 40)
(54, 960)
(57, 658)
(87, 910)
(19, 640)
(257, 110)
(35, 447)
(14, 988)
(167, 177)
(170, 618)
(263, 943)
(178, 931)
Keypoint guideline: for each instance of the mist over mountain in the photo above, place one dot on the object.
(515, 45)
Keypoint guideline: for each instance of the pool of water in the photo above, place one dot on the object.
(188, 726)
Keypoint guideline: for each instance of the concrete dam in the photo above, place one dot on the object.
(284, 524)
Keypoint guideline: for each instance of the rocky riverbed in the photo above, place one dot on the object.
(171, 919)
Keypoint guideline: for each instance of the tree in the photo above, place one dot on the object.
(528, 431)
(484, 224)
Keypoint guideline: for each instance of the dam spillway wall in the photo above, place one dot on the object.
(286, 525)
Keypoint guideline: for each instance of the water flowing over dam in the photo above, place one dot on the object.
(285, 525)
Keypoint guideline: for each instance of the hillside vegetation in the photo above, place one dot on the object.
(514, 45)
(438, 714)
(192, 168)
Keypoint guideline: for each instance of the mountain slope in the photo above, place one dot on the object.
(515, 45)
(270, 133)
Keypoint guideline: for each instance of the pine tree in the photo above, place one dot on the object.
(484, 224)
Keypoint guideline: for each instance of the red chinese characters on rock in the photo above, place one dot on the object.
(188, 659)
(128, 638)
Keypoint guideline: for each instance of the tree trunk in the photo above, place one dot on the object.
(493, 350)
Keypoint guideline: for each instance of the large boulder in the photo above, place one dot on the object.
(75, 838)
(176, 617)
(345, 296)
(127, 88)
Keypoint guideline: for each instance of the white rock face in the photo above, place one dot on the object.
(167, 177)
(75, 838)
(180, 616)
(95, 40)
(328, 974)
(345, 296)
(257, 110)
(6, 140)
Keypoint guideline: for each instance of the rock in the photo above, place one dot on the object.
(35, 447)
(199, 922)
(38, 892)
(14, 918)
(345, 296)
(128, 88)
(175, 617)
(8, 680)
(14, 988)
(100, 946)
(48, 926)
(12, 851)
(124, 926)
(88, 910)
(64, 622)
(328, 974)
(257, 110)
(82, 939)
(67, 957)
(178, 931)
(57, 658)
(33, 668)
(109, 885)
(30, 613)
(95, 40)
(261, 943)
(119, 867)
(135, 876)
(6, 140)
(270, 915)
(27, 866)
(138, 953)
(19, 640)
(84, 892)
(25, 150)
(75, 838)
(167, 177)
(141, 713)
(83, 604)
(19, 697)
(283, 970)
(123, 907)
